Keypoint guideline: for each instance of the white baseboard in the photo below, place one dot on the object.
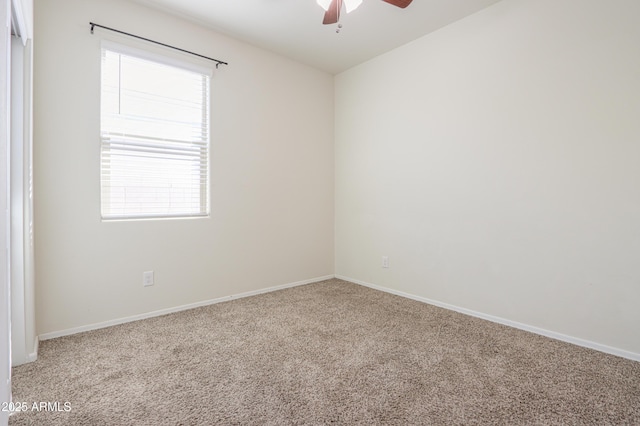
(161, 312)
(33, 356)
(552, 334)
(27, 357)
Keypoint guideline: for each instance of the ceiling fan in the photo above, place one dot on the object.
(333, 7)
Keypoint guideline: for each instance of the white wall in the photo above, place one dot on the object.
(18, 328)
(271, 180)
(23, 328)
(5, 304)
(23, 324)
(496, 163)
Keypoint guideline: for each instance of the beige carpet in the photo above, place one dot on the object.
(330, 352)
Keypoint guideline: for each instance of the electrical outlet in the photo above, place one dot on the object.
(147, 278)
(385, 261)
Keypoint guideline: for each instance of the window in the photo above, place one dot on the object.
(154, 131)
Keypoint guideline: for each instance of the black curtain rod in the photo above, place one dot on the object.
(218, 62)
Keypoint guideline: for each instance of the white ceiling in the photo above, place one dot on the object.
(293, 28)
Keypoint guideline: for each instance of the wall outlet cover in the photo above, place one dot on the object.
(147, 278)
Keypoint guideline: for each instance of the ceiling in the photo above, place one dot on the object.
(293, 28)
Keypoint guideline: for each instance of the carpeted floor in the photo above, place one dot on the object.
(330, 352)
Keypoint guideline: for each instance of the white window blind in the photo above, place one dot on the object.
(154, 138)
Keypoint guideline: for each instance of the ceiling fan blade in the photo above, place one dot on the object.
(399, 3)
(333, 13)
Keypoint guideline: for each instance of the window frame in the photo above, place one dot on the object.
(166, 60)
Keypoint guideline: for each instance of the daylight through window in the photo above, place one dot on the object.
(154, 138)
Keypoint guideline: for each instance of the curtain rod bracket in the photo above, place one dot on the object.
(217, 61)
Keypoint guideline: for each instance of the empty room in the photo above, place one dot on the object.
(320, 211)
